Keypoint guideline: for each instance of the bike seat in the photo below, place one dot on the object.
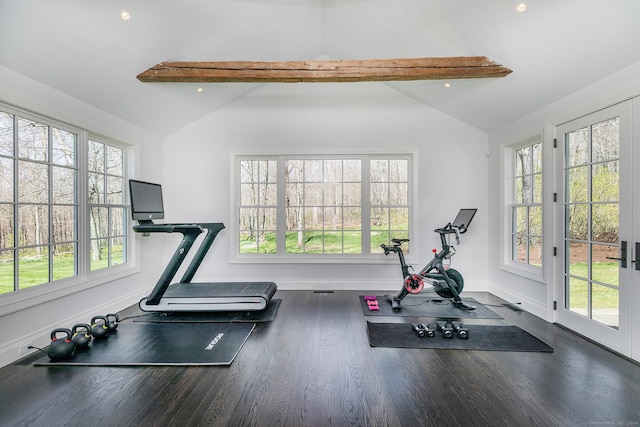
(399, 241)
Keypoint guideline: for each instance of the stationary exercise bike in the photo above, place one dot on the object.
(446, 282)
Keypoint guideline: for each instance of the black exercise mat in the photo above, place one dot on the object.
(266, 315)
(433, 307)
(175, 344)
(481, 337)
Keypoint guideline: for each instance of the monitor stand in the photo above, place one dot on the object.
(186, 296)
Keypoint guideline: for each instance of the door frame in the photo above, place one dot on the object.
(620, 339)
(633, 254)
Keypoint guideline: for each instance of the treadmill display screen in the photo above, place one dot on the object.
(146, 200)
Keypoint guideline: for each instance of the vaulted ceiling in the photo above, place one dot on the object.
(84, 49)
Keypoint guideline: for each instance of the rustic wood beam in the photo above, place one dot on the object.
(469, 67)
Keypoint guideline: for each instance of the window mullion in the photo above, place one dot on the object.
(16, 270)
(281, 214)
(82, 203)
(50, 199)
(365, 179)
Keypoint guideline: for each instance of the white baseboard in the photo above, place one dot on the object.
(532, 306)
(17, 349)
(355, 285)
(338, 285)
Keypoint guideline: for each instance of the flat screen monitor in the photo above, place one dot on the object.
(146, 200)
(463, 219)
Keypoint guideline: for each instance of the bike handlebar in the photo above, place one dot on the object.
(447, 229)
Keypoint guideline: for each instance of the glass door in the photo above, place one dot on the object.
(594, 213)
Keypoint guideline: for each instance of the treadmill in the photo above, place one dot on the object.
(186, 296)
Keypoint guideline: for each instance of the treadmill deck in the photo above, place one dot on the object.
(217, 296)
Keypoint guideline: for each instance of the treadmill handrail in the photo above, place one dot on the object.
(190, 232)
(168, 228)
(213, 228)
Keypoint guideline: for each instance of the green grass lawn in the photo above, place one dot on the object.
(35, 271)
(602, 296)
(317, 242)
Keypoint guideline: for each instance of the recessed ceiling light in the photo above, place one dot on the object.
(125, 16)
(200, 89)
(447, 85)
(521, 7)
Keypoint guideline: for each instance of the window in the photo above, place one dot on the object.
(321, 205)
(107, 211)
(42, 203)
(526, 206)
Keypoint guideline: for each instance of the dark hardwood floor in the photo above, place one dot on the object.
(313, 366)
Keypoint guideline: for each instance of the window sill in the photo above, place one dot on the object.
(42, 294)
(318, 259)
(526, 271)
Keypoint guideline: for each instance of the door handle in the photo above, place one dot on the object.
(637, 260)
(623, 255)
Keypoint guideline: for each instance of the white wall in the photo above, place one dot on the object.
(28, 318)
(193, 166)
(535, 296)
(327, 118)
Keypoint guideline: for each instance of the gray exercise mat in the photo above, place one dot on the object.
(481, 337)
(163, 344)
(432, 307)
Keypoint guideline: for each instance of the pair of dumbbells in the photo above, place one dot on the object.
(423, 330)
(449, 329)
(372, 302)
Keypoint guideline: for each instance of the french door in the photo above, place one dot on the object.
(594, 217)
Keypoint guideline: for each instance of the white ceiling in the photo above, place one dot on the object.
(84, 49)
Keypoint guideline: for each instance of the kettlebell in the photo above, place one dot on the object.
(82, 338)
(61, 349)
(99, 327)
(113, 320)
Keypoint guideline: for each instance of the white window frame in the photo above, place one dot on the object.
(106, 204)
(507, 165)
(367, 257)
(14, 301)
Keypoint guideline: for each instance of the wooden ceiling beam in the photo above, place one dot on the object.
(400, 69)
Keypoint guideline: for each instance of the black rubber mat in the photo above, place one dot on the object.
(266, 315)
(481, 337)
(433, 307)
(165, 344)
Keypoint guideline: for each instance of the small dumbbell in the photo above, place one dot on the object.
(462, 333)
(429, 330)
(445, 329)
(418, 330)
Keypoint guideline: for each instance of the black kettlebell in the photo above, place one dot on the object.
(99, 327)
(81, 335)
(113, 320)
(61, 349)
